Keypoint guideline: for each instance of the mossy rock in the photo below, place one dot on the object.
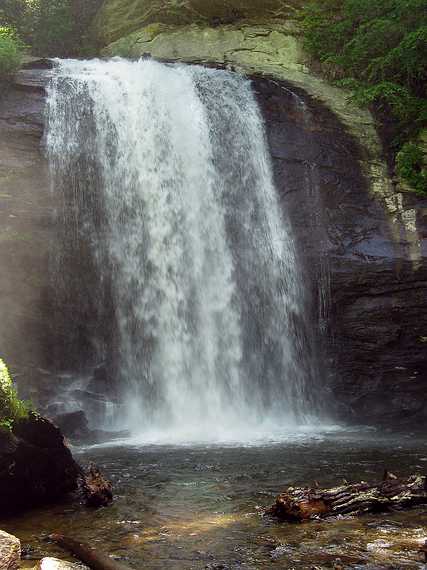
(11, 407)
(118, 18)
(252, 47)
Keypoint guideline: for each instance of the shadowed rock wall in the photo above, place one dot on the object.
(25, 227)
(368, 271)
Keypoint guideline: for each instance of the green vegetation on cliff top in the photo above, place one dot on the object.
(11, 52)
(52, 27)
(11, 407)
(379, 50)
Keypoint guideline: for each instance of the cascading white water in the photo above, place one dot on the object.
(171, 188)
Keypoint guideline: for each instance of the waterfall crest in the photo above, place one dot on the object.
(167, 182)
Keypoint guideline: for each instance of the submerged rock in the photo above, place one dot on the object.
(10, 551)
(36, 466)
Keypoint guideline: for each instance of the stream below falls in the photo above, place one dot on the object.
(194, 507)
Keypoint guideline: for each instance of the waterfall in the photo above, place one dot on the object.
(168, 202)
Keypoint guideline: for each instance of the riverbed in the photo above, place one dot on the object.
(198, 506)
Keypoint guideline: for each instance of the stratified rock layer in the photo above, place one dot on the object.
(26, 226)
(367, 268)
(119, 17)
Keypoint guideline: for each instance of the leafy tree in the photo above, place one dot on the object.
(11, 51)
(52, 27)
(53, 34)
(379, 50)
(11, 407)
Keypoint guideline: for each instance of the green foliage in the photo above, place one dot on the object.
(11, 51)
(411, 166)
(52, 27)
(11, 407)
(379, 51)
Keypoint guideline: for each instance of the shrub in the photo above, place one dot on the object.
(411, 167)
(11, 51)
(379, 51)
(11, 407)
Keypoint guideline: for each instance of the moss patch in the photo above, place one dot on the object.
(11, 407)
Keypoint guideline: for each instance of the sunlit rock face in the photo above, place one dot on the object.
(265, 45)
(120, 17)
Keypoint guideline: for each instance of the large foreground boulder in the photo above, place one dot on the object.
(36, 466)
(10, 551)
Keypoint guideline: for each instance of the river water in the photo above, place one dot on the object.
(194, 507)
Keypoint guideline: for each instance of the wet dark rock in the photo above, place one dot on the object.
(36, 466)
(42, 63)
(102, 382)
(73, 425)
(368, 272)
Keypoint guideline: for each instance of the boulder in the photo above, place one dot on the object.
(73, 425)
(56, 564)
(36, 466)
(10, 551)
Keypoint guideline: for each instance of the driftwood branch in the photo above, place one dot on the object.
(87, 555)
(96, 489)
(304, 504)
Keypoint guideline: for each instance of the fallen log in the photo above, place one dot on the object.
(88, 555)
(304, 504)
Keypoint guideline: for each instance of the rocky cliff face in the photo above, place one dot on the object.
(118, 18)
(25, 226)
(362, 240)
(367, 267)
